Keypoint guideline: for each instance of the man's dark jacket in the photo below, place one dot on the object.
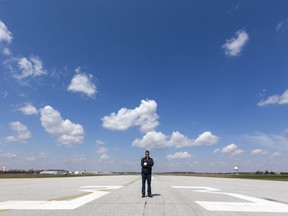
(147, 169)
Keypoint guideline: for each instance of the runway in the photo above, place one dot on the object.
(121, 195)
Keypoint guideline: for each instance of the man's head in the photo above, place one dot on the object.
(147, 153)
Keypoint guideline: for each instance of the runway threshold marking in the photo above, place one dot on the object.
(254, 204)
(92, 193)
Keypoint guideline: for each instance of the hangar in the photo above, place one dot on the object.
(54, 172)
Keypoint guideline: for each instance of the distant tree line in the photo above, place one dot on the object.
(37, 171)
(19, 171)
(266, 172)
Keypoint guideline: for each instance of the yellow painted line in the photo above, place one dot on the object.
(129, 183)
(104, 190)
(71, 197)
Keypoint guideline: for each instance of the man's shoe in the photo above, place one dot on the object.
(150, 195)
(143, 195)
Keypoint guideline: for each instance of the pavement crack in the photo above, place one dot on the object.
(144, 209)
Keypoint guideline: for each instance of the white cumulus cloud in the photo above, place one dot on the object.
(275, 99)
(103, 152)
(6, 51)
(22, 68)
(179, 140)
(179, 155)
(234, 46)
(22, 132)
(152, 140)
(237, 152)
(104, 157)
(259, 152)
(5, 34)
(231, 149)
(144, 116)
(206, 138)
(66, 132)
(81, 82)
(158, 140)
(99, 142)
(28, 109)
(276, 154)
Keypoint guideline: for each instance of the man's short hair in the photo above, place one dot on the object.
(147, 152)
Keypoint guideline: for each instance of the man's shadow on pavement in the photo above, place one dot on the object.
(154, 195)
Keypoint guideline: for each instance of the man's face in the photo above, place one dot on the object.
(146, 154)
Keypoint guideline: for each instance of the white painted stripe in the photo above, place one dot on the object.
(199, 189)
(60, 205)
(254, 204)
(52, 205)
(244, 207)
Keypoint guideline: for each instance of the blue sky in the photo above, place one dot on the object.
(93, 84)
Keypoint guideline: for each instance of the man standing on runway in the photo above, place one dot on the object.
(146, 164)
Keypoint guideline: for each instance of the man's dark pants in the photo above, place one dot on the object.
(144, 178)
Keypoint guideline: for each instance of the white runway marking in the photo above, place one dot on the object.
(60, 205)
(254, 204)
(199, 189)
